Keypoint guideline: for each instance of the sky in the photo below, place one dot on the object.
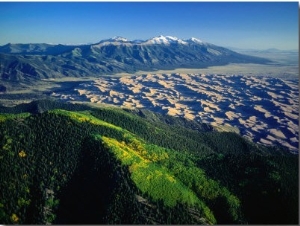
(246, 25)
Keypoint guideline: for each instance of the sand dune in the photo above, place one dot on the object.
(277, 133)
(257, 105)
(231, 115)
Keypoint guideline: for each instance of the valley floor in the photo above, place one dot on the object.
(260, 102)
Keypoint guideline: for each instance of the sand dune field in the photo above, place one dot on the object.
(264, 109)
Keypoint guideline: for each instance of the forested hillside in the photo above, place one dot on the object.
(72, 164)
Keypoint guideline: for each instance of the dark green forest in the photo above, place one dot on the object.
(63, 163)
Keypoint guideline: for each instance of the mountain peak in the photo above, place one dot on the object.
(114, 39)
(167, 40)
(119, 39)
(195, 40)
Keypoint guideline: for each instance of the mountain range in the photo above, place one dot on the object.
(27, 62)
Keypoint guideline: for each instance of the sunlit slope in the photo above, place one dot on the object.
(114, 166)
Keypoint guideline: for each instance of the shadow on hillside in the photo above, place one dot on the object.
(85, 198)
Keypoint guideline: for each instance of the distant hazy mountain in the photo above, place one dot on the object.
(22, 62)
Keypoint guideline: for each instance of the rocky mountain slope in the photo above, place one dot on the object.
(25, 62)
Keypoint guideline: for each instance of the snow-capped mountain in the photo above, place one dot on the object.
(166, 40)
(22, 62)
(43, 48)
(115, 39)
(195, 40)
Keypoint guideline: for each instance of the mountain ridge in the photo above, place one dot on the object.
(115, 39)
(29, 62)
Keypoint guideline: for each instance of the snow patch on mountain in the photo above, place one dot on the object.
(166, 40)
(119, 39)
(158, 40)
(195, 40)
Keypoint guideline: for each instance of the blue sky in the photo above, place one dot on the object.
(255, 25)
